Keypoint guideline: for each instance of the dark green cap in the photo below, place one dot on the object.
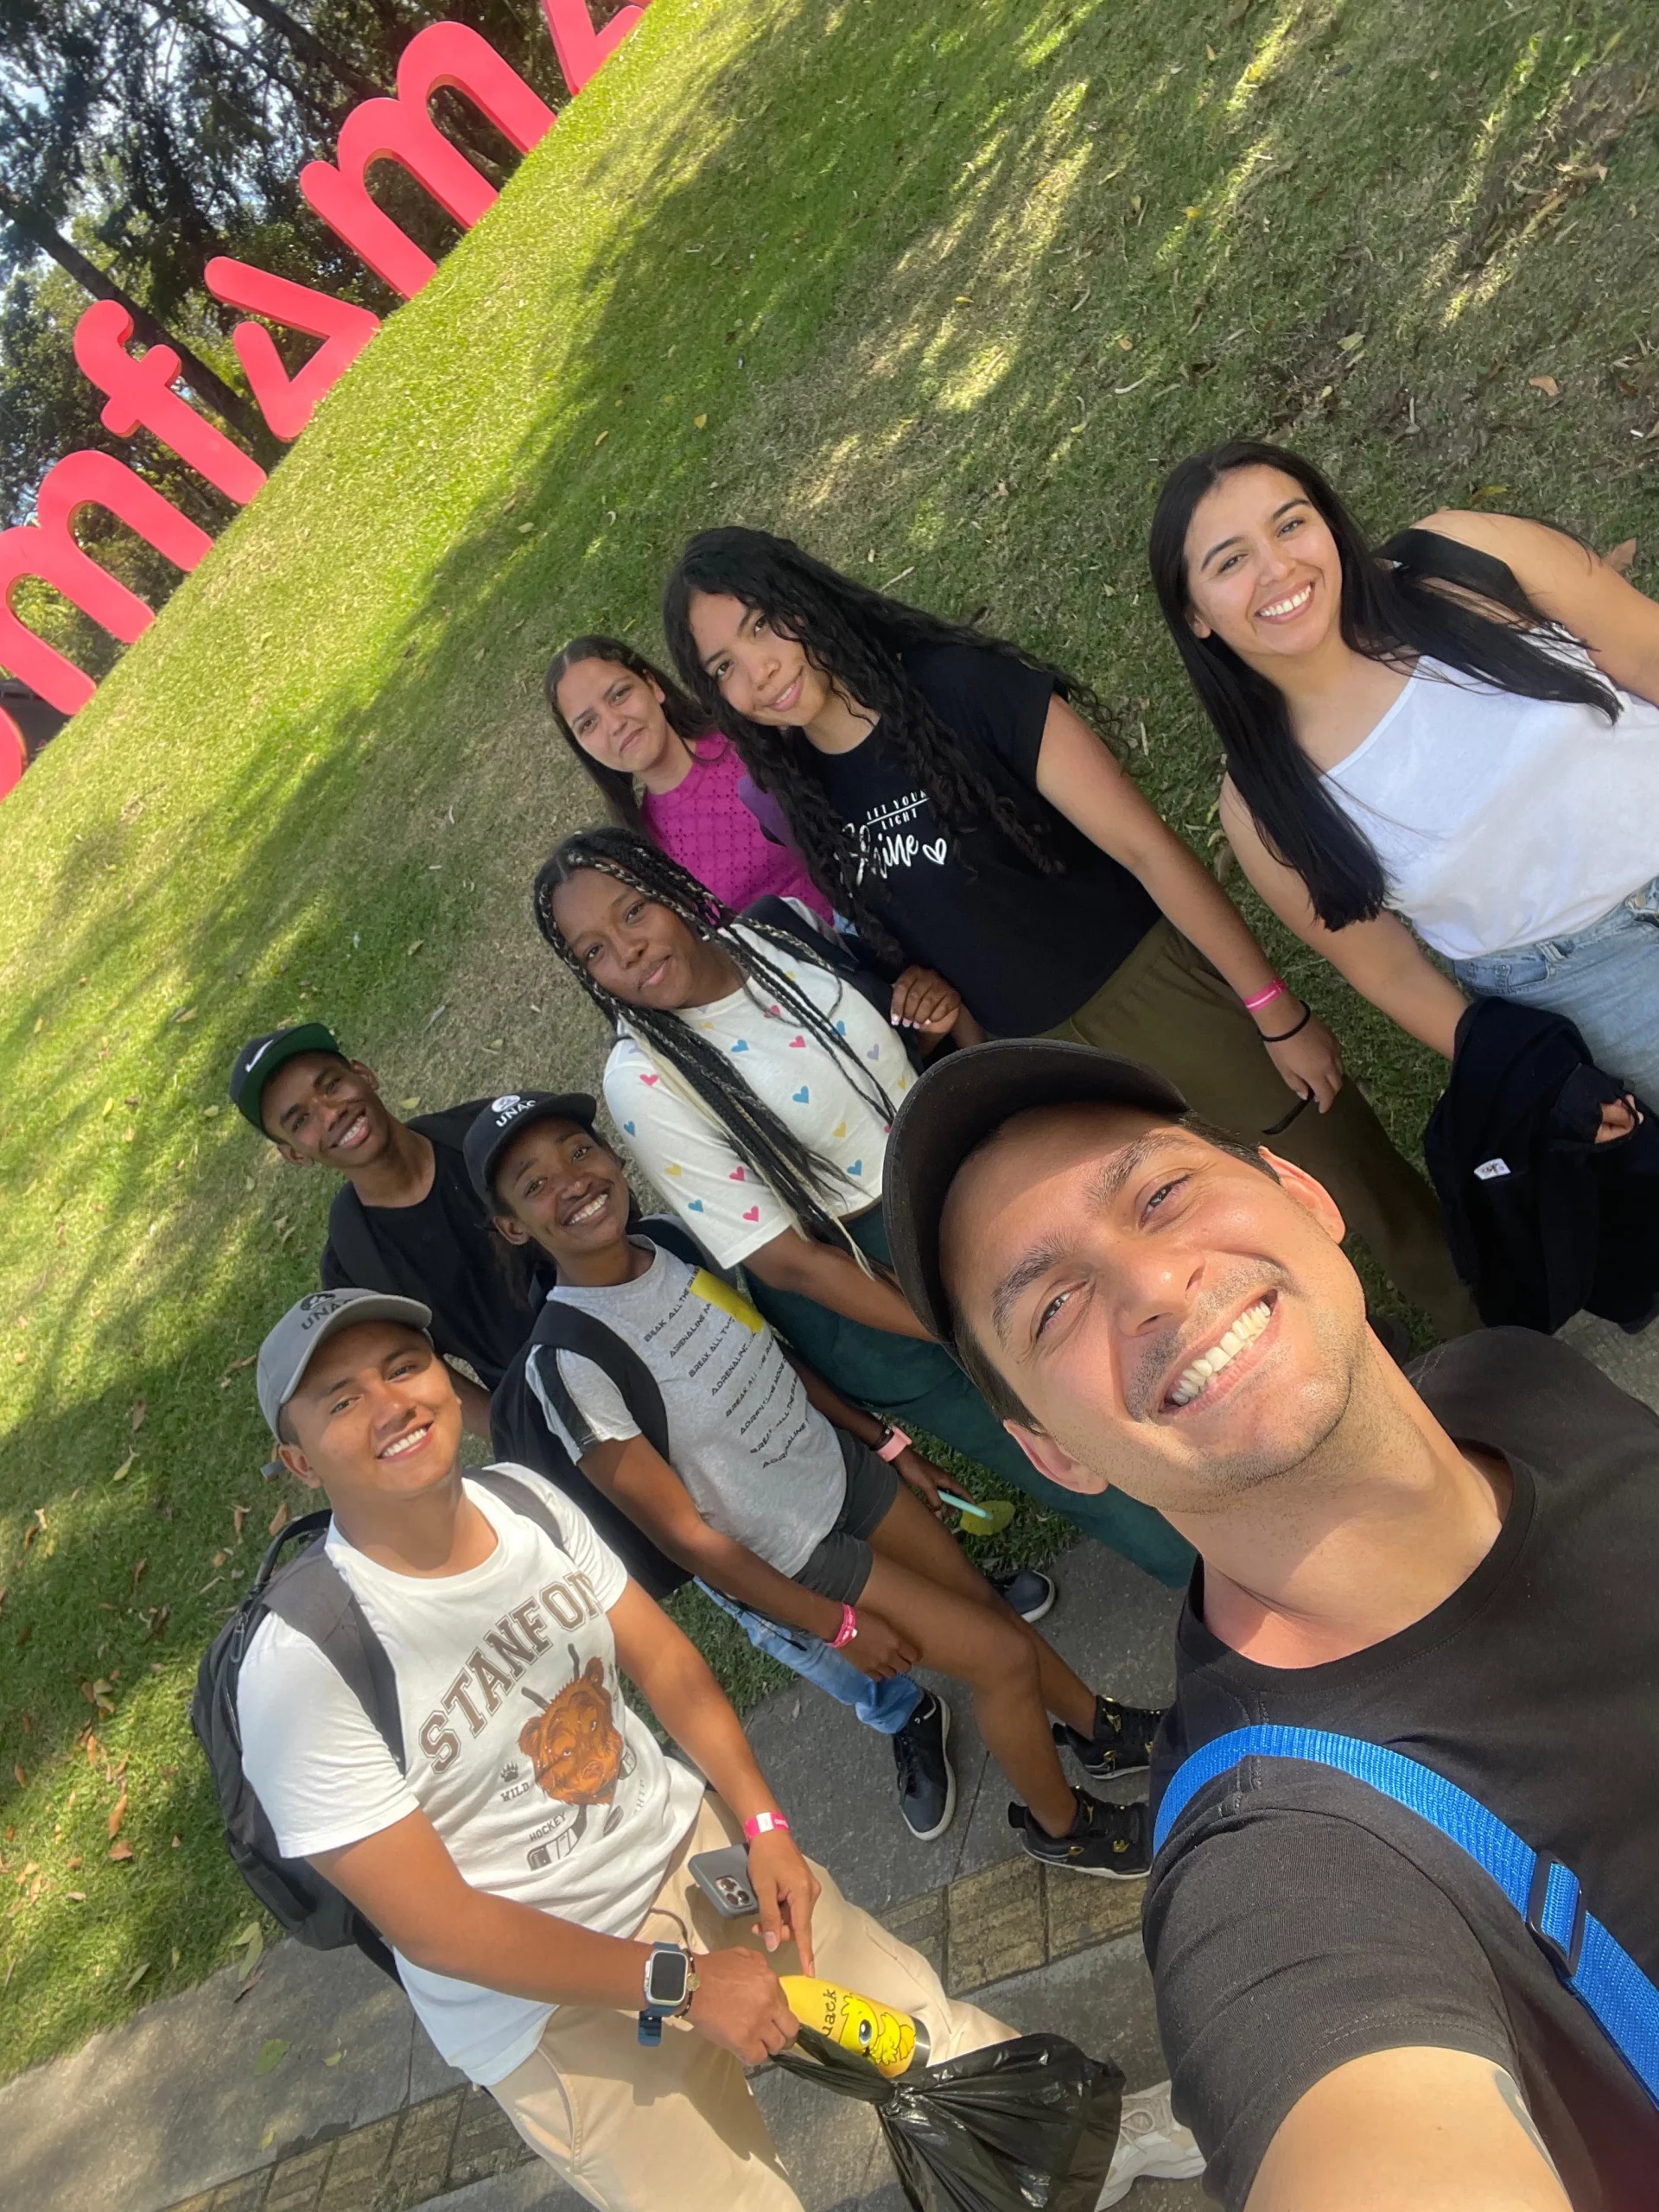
(261, 1057)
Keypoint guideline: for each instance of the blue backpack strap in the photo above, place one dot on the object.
(1598, 1970)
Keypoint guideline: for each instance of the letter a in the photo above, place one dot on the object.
(401, 131)
(14, 754)
(580, 47)
(288, 402)
(140, 388)
(48, 549)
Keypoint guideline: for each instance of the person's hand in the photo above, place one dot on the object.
(1619, 1117)
(739, 2005)
(1310, 1062)
(921, 1476)
(878, 1650)
(786, 1890)
(923, 1001)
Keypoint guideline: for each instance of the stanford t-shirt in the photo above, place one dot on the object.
(1315, 1922)
(1025, 948)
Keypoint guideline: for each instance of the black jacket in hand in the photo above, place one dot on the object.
(1542, 1219)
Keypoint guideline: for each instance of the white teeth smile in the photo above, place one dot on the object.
(1280, 608)
(590, 1211)
(354, 1135)
(1204, 1370)
(405, 1445)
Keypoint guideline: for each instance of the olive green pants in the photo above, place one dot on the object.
(1168, 1007)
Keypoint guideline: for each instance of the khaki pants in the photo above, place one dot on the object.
(1168, 1007)
(676, 2126)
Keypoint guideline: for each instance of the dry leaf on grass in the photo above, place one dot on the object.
(238, 1514)
(136, 1413)
(124, 1468)
(1621, 558)
(118, 1814)
(1547, 385)
(278, 1520)
(121, 1850)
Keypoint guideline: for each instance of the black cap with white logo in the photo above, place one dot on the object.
(261, 1057)
(499, 1123)
(960, 1103)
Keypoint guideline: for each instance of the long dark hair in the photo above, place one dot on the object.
(684, 717)
(1418, 594)
(855, 637)
(808, 1186)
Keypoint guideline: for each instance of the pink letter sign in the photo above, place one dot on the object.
(401, 131)
(580, 47)
(46, 548)
(140, 386)
(14, 754)
(288, 402)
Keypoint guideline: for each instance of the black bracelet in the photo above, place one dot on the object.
(1285, 1035)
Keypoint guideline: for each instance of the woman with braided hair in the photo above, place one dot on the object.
(947, 795)
(754, 1081)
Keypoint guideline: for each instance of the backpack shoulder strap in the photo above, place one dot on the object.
(532, 1501)
(353, 1243)
(562, 1327)
(1599, 1972)
(314, 1599)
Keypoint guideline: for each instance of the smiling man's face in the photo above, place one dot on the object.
(1180, 1324)
(375, 1418)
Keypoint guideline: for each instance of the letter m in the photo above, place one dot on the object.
(401, 131)
(46, 549)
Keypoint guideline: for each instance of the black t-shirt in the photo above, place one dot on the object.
(440, 1251)
(1317, 1922)
(1024, 949)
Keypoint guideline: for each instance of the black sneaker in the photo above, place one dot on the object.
(1121, 1742)
(1111, 1841)
(927, 1788)
(1030, 1595)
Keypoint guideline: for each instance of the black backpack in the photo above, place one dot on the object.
(312, 1597)
(518, 1429)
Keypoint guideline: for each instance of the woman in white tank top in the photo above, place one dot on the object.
(1456, 730)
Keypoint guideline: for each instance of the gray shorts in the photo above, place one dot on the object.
(838, 1565)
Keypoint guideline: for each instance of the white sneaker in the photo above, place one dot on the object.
(1150, 2141)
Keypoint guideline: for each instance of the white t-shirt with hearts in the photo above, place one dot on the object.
(689, 1159)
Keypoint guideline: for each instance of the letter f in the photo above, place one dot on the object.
(140, 389)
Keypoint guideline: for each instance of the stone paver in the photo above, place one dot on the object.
(358, 2166)
(995, 1923)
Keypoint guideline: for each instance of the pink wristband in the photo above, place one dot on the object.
(764, 1823)
(1275, 990)
(847, 1630)
(893, 1444)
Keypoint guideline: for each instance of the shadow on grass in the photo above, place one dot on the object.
(985, 275)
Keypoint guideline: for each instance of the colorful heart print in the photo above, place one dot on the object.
(802, 1096)
(754, 1214)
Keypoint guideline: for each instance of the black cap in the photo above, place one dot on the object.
(960, 1103)
(497, 1124)
(261, 1057)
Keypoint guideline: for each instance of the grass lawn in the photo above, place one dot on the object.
(942, 291)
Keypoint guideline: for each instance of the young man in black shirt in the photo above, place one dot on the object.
(1459, 1566)
(407, 1220)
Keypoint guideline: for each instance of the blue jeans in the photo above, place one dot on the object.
(884, 1707)
(1604, 980)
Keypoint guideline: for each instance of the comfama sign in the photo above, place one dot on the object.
(139, 387)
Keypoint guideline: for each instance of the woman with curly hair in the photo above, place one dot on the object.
(754, 1081)
(1455, 734)
(946, 794)
(664, 769)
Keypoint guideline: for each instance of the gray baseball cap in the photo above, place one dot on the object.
(291, 1347)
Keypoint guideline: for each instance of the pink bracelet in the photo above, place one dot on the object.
(847, 1630)
(1276, 989)
(893, 1443)
(764, 1823)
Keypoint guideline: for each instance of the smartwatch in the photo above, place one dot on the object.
(892, 1441)
(669, 1983)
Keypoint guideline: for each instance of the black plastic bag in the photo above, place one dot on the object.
(1023, 2126)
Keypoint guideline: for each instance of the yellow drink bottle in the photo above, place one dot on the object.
(889, 2039)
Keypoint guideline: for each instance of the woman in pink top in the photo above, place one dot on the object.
(629, 724)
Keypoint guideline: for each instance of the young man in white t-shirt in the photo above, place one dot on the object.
(530, 1865)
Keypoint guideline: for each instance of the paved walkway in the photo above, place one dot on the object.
(170, 2113)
